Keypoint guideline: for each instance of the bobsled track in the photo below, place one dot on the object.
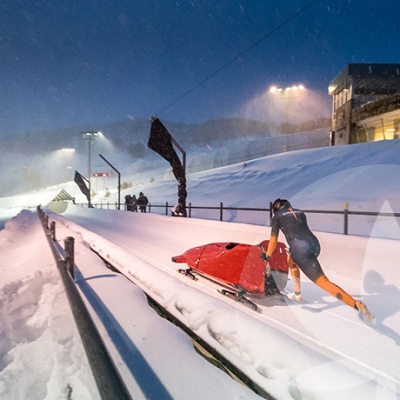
(139, 247)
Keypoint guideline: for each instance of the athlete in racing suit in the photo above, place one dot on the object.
(304, 250)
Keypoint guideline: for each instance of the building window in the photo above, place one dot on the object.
(380, 128)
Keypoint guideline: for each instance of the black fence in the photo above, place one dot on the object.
(164, 209)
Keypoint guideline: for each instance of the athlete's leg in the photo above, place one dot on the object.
(324, 283)
(309, 264)
(295, 274)
(312, 269)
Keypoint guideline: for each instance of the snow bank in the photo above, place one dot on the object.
(41, 355)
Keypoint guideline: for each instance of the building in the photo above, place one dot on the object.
(366, 103)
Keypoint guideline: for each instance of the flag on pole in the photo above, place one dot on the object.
(160, 141)
(79, 180)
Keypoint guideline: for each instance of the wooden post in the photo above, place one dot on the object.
(53, 230)
(69, 244)
(221, 207)
(190, 210)
(346, 218)
(166, 208)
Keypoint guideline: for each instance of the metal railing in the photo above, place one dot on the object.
(221, 208)
(107, 377)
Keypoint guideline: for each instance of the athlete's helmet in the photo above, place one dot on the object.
(280, 203)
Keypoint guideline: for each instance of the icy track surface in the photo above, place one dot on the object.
(317, 348)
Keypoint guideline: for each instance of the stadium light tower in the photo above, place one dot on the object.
(286, 94)
(89, 136)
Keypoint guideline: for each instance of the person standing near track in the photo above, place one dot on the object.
(142, 202)
(304, 250)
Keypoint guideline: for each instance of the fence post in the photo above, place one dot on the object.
(270, 212)
(69, 254)
(46, 221)
(53, 230)
(166, 208)
(221, 207)
(346, 218)
(190, 210)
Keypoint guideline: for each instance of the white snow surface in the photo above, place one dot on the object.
(316, 349)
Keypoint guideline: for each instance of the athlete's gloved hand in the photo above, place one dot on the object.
(264, 256)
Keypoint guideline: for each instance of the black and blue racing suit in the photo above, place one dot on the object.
(303, 244)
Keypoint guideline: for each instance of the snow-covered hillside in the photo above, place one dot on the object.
(365, 175)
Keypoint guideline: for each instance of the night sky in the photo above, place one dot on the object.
(76, 62)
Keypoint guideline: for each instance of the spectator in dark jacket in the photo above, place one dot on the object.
(142, 202)
(128, 202)
(134, 203)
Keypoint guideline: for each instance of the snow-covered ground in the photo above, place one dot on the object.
(316, 349)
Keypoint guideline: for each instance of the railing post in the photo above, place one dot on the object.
(346, 218)
(46, 221)
(69, 244)
(221, 207)
(53, 230)
(270, 212)
(166, 208)
(190, 210)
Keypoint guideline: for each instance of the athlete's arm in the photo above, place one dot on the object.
(272, 245)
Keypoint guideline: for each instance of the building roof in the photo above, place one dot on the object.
(368, 79)
(32, 200)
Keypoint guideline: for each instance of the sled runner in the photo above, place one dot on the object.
(239, 268)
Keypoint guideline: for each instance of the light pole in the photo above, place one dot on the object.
(119, 180)
(67, 158)
(287, 94)
(89, 136)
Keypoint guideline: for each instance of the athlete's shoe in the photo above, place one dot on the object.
(292, 295)
(365, 314)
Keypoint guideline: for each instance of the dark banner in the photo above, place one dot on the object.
(82, 185)
(160, 141)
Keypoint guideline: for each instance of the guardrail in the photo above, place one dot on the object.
(107, 377)
(221, 208)
(108, 380)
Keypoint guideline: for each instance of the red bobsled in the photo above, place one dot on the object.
(238, 266)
